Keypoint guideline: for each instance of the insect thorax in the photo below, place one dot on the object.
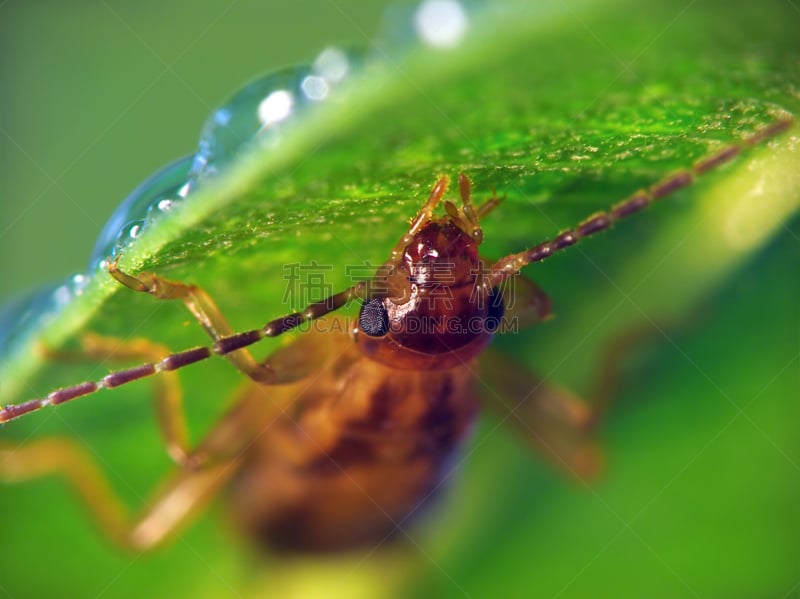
(436, 311)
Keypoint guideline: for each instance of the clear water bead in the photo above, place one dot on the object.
(165, 202)
(22, 312)
(436, 24)
(25, 314)
(441, 23)
(261, 110)
(257, 113)
(159, 193)
(127, 234)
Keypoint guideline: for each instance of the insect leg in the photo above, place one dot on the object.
(608, 375)
(524, 304)
(182, 498)
(553, 418)
(232, 345)
(167, 394)
(203, 308)
(549, 417)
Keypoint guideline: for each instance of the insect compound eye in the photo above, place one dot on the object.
(496, 310)
(373, 319)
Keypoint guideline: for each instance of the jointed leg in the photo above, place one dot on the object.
(550, 418)
(167, 394)
(204, 310)
(183, 497)
(608, 374)
(227, 343)
(525, 304)
(553, 419)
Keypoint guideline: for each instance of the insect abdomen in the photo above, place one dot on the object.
(355, 462)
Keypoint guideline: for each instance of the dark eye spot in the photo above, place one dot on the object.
(373, 319)
(496, 310)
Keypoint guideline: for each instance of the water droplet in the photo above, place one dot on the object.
(18, 313)
(315, 87)
(165, 202)
(164, 190)
(437, 24)
(261, 111)
(77, 284)
(63, 294)
(26, 314)
(441, 23)
(127, 234)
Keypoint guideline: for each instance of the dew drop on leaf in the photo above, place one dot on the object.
(27, 312)
(127, 235)
(160, 192)
(263, 109)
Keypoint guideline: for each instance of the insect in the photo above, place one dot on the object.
(343, 434)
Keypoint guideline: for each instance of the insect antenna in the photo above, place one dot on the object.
(221, 347)
(502, 269)
(601, 221)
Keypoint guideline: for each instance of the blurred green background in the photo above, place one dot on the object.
(700, 495)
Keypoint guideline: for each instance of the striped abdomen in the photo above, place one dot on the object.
(361, 449)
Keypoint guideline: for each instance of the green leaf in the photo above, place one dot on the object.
(564, 111)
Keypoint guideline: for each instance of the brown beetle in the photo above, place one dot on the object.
(328, 448)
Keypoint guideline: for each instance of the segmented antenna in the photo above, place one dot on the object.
(503, 269)
(221, 347)
(602, 221)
